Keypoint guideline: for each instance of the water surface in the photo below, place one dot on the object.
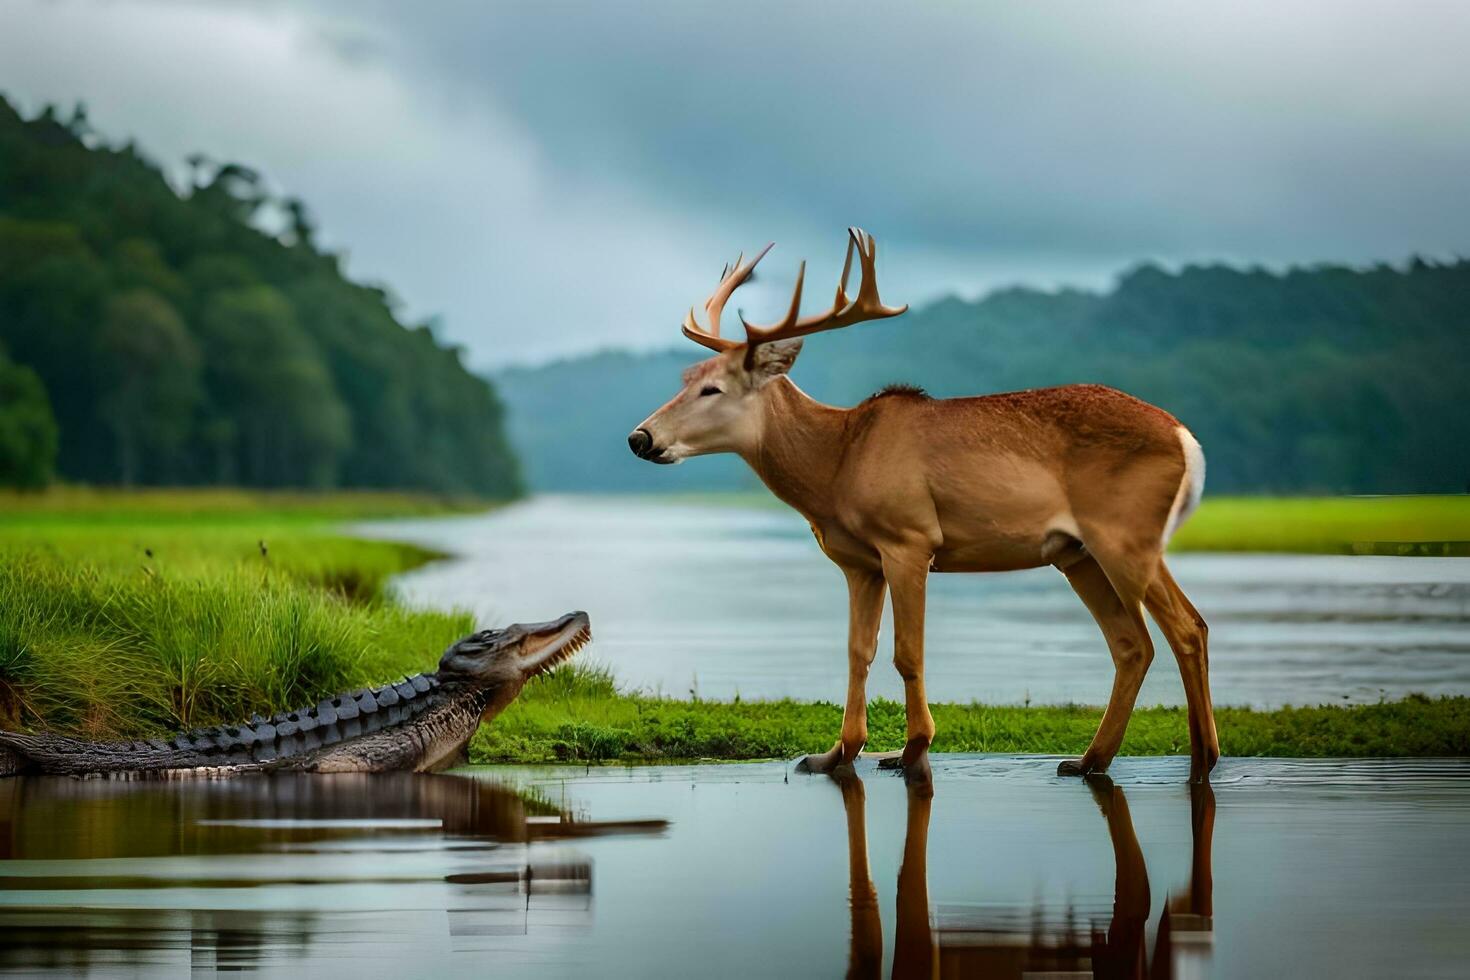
(722, 600)
(1283, 868)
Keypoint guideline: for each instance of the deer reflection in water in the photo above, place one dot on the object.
(1020, 942)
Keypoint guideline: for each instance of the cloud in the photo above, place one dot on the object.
(555, 177)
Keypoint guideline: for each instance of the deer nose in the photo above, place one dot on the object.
(640, 442)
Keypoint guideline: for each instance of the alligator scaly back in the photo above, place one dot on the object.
(284, 740)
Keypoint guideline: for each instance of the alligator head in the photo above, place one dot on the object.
(500, 662)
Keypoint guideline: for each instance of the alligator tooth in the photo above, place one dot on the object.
(307, 722)
(367, 702)
(347, 709)
(326, 714)
(405, 689)
(266, 732)
(387, 697)
(420, 683)
(287, 728)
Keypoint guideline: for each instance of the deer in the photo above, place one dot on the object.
(1081, 477)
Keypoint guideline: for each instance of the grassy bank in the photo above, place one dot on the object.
(1427, 525)
(580, 716)
(137, 613)
(1403, 525)
(140, 614)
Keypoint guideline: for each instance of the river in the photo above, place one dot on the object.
(1305, 868)
(688, 597)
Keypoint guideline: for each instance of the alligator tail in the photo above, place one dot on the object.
(27, 753)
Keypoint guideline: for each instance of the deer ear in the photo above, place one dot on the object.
(768, 361)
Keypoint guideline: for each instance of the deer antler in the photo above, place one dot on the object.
(731, 279)
(844, 312)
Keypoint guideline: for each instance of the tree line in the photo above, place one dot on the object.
(152, 336)
(1321, 379)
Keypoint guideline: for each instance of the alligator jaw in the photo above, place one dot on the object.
(548, 644)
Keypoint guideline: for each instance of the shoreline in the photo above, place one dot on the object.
(142, 613)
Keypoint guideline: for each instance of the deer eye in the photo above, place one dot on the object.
(709, 390)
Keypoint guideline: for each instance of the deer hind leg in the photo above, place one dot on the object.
(908, 578)
(864, 613)
(1113, 592)
(1188, 637)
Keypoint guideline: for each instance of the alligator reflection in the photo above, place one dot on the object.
(220, 873)
(1023, 942)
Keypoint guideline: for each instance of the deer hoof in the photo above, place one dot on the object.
(919, 777)
(914, 764)
(1075, 767)
(1201, 765)
(827, 762)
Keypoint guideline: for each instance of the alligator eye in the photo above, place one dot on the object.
(709, 390)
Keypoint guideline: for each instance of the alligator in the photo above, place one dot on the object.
(422, 723)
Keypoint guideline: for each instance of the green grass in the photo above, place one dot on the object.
(69, 505)
(579, 716)
(1330, 525)
(1422, 525)
(180, 608)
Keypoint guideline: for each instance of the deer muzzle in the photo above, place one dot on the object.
(641, 443)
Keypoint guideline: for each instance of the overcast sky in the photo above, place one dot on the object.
(551, 178)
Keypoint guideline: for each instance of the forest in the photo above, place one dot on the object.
(159, 336)
(154, 335)
(1326, 379)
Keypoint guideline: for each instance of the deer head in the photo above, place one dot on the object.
(719, 408)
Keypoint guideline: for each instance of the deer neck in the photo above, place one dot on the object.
(798, 448)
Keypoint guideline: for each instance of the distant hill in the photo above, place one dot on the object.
(1320, 379)
(178, 342)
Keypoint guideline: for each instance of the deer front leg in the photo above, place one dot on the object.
(864, 612)
(908, 578)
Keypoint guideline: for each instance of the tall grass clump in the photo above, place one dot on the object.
(104, 654)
